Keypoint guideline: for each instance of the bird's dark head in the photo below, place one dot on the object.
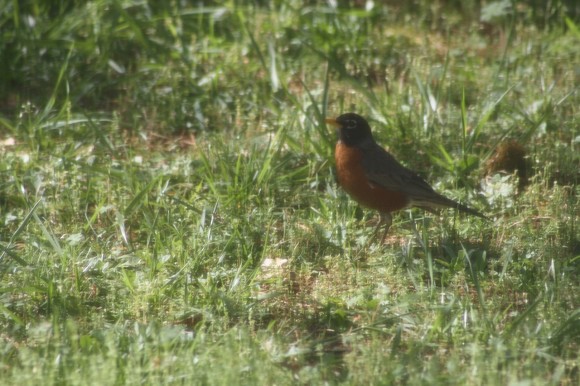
(352, 128)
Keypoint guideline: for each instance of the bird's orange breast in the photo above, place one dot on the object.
(352, 178)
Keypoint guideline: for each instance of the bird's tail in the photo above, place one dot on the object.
(441, 202)
(468, 210)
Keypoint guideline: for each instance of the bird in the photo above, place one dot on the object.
(376, 180)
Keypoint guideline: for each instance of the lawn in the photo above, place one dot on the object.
(170, 214)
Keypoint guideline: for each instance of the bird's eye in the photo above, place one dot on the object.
(350, 124)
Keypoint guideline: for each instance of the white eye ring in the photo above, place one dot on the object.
(350, 124)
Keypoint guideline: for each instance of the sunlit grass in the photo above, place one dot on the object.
(170, 213)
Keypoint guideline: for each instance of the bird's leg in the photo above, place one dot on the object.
(386, 221)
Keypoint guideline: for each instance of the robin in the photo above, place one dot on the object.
(375, 179)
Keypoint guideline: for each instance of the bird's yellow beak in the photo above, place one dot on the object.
(333, 122)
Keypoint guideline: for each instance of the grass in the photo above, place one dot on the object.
(170, 212)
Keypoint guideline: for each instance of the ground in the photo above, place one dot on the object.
(171, 215)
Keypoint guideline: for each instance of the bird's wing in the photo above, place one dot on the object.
(385, 171)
